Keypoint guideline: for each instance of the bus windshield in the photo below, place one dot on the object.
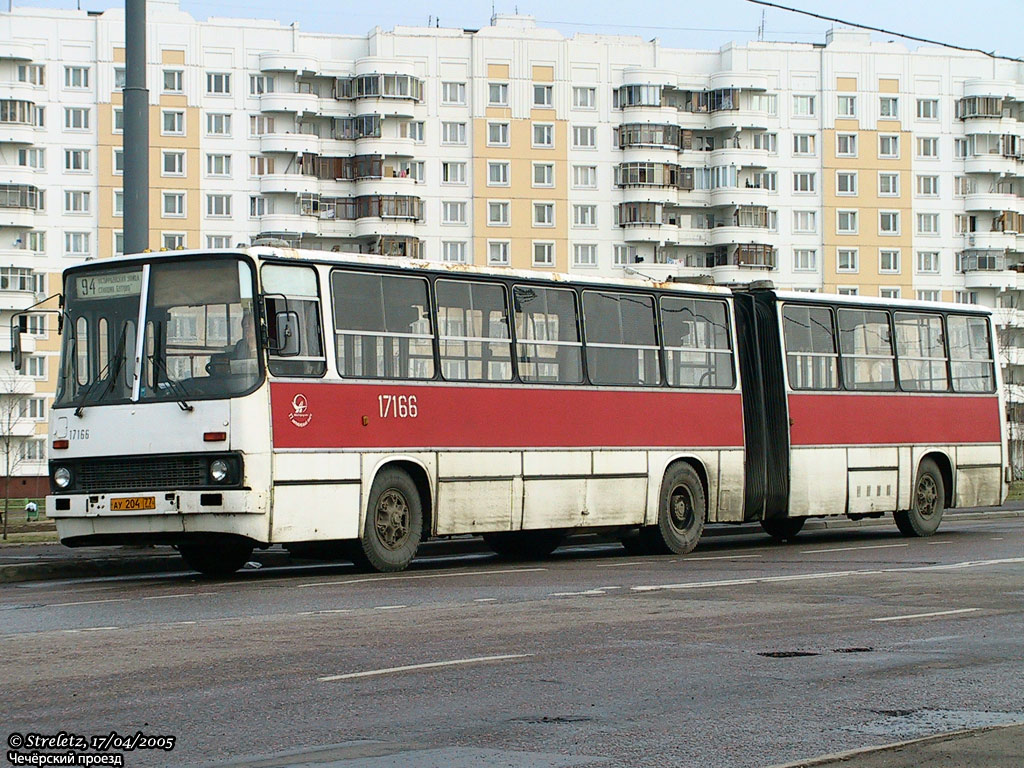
(199, 336)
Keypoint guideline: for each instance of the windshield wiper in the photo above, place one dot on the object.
(104, 375)
(176, 386)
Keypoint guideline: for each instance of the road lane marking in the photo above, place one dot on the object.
(997, 538)
(716, 557)
(927, 615)
(827, 575)
(345, 582)
(619, 565)
(937, 543)
(851, 549)
(183, 594)
(388, 607)
(429, 665)
(324, 611)
(88, 629)
(88, 602)
(485, 600)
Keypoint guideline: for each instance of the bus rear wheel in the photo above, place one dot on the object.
(783, 528)
(394, 523)
(682, 510)
(216, 556)
(524, 545)
(929, 500)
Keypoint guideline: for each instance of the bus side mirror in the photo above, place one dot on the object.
(19, 325)
(287, 337)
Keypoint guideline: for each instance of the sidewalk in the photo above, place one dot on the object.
(999, 747)
(32, 562)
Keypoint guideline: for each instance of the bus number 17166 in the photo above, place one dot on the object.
(397, 406)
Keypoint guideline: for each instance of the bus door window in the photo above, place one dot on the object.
(622, 343)
(548, 346)
(472, 327)
(698, 352)
(970, 353)
(292, 295)
(921, 352)
(382, 326)
(83, 364)
(812, 361)
(865, 346)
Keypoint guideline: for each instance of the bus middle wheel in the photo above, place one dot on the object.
(928, 503)
(394, 523)
(682, 510)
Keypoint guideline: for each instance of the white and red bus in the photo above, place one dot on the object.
(356, 405)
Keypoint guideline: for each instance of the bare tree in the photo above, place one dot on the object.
(13, 406)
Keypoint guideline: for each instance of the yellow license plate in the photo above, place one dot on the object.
(133, 503)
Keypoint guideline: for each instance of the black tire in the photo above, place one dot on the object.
(216, 556)
(682, 510)
(783, 528)
(929, 500)
(394, 523)
(524, 545)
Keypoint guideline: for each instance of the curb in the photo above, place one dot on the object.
(169, 562)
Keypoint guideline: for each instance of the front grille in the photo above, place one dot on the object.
(136, 473)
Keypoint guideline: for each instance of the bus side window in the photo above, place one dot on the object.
(382, 326)
(697, 348)
(472, 328)
(865, 345)
(548, 347)
(970, 353)
(622, 342)
(921, 352)
(294, 290)
(812, 361)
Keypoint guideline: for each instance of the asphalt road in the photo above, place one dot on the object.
(745, 653)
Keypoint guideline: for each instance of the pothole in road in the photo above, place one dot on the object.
(787, 654)
(855, 649)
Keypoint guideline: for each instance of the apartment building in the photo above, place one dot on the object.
(848, 166)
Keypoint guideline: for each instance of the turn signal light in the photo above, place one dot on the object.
(214, 437)
(60, 444)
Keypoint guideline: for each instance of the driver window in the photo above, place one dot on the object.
(292, 303)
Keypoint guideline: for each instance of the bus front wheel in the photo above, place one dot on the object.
(682, 509)
(216, 556)
(928, 503)
(394, 523)
(783, 528)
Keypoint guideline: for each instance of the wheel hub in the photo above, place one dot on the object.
(927, 496)
(391, 519)
(681, 508)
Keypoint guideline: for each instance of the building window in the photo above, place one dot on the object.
(544, 255)
(965, 297)
(173, 164)
(927, 223)
(498, 253)
(846, 222)
(260, 84)
(805, 221)
(118, 120)
(173, 81)
(453, 93)
(497, 134)
(453, 133)
(453, 173)
(543, 174)
(174, 204)
(927, 262)
(889, 293)
(33, 74)
(260, 206)
(543, 135)
(848, 290)
(543, 96)
(889, 107)
(888, 146)
(119, 78)
(36, 242)
(927, 147)
(32, 158)
(119, 202)
(218, 241)
(76, 77)
(172, 123)
(847, 260)
(623, 255)
(454, 251)
(76, 118)
(218, 124)
(846, 182)
(584, 255)
(929, 295)
(962, 186)
(927, 109)
(218, 165)
(118, 161)
(584, 137)
(584, 215)
(76, 243)
(889, 261)
(584, 176)
(847, 106)
(260, 125)
(803, 182)
(497, 174)
(803, 144)
(846, 145)
(888, 222)
(497, 94)
(76, 160)
(453, 212)
(497, 214)
(173, 241)
(584, 97)
(218, 84)
(543, 214)
(960, 148)
(260, 165)
(803, 106)
(76, 202)
(805, 260)
(889, 184)
(218, 205)
(35, 366)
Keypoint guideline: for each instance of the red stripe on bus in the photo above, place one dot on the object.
(888, 419)
(348, 415)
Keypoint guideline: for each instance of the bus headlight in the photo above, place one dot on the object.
(218, 470)
(62, 477)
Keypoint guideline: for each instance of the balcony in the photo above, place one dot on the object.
(991, 241)
(387, 106)
(992, 163)
(1001, 280)
(298, 63)
(739, 118)
(688, 236)
(739, 196)
(17, 133)
(390, 146)
(993, 201)
(289, 223)
(24, 218)
(747, 81)
(28, 343)
(734, 235)
(9, 49)
(385, 227)
(289, 183)
(390, 183)
(15, 300)
(1008, 317)
(292, 143)
(651, 194)
(642, 232)
(1012, 355)
(293, 103)
(740, 157)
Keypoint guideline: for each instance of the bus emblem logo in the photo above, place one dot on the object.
(300, 415)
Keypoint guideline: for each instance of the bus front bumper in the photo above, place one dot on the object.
(149, 503)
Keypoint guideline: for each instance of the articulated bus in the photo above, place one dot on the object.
(353, 406)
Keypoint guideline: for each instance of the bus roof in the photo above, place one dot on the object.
(875, 301)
